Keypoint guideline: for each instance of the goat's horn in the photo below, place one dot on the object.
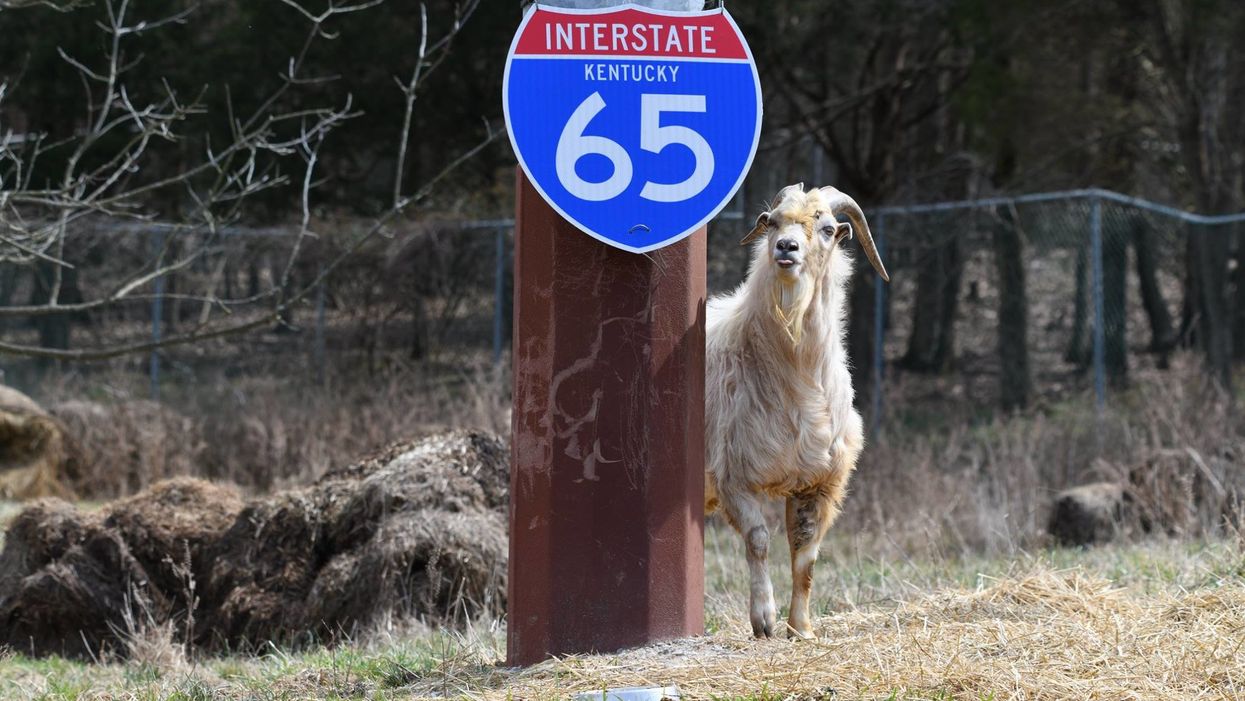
(763, 219)
(840, 203)
(782, 194)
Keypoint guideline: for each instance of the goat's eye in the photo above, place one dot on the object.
(827, 232)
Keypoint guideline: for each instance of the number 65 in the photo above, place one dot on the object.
(573, 144)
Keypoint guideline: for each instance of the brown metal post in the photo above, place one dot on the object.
(607, 498)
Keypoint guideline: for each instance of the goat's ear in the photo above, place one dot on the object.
(758, 230)
(842, 230)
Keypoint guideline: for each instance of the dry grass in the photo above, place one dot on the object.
(942, 487)
(1047, 634)
(32, 449)
(928, 486)
(1163, 620)
(260, 433)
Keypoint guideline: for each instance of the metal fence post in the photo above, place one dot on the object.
(879, 336)
(499, 292)
(1095, 234)
(157, 312)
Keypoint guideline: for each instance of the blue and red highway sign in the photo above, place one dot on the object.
(636, 125)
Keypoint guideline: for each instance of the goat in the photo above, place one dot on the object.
(779, 420)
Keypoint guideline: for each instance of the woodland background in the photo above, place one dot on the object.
(244, 244)
(894, 102)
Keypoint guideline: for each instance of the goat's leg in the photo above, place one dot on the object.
(745, 514)
(809, 515)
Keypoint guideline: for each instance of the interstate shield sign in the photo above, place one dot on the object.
(636, 125)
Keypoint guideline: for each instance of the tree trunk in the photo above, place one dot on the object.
(172, 307)
(227, 275)
(926, 308)
(1077, 351)
(285, 318)
(1114, 302)
(1162, 333)
(252, 278)
(1214, 332)
(1191, 290)
(1238, 283)
(944, 359)
(931, 347)
(1014, 381)
(419, 330)
(1207, 148)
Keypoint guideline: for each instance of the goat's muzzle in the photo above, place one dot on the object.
(788, 253)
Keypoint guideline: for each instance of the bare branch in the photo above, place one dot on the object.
(409, 91)
(58, 5)
(100, 180)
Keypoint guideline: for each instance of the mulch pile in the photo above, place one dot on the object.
(32, 449)
(418, 530)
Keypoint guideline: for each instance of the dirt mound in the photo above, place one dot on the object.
(71, 577)
(418, 530)
(420, 527)
(164, 526)
(1179, 492)
(32, 449)
(1088, 514)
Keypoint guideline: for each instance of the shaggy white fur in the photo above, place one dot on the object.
(778, 392)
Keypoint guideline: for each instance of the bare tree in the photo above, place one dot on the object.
(1195, 76)
(1015, 381)
(102, 183)
(869, 104)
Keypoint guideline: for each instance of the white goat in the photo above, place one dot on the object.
(778, 393)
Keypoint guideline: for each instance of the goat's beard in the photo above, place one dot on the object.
(791, 302)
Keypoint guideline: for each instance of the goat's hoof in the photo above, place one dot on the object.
(764, 617)
(763, 626)
(796, 633)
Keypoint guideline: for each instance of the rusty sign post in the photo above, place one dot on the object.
(607, 482)
(634, 126)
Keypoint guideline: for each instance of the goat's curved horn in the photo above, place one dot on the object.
(782, 194)
(763, 219)
(840, 203)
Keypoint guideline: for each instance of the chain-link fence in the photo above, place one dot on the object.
(436, 293)
(1009, 301)
(997, 302)
(1006, 301)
